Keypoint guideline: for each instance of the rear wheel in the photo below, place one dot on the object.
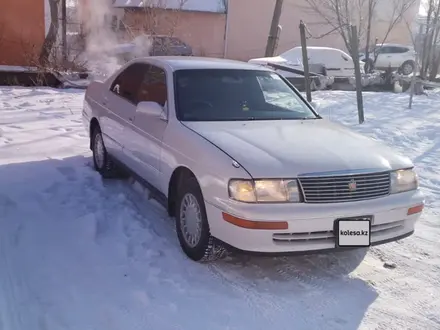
(192, 223)
(407, 68)
(101, 159)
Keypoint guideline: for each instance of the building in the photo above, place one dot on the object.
(199, 23)
(22, 31)
(235, 29)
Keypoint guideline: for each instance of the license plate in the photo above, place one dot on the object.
(353, 232)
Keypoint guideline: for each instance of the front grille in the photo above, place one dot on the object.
(345, 188)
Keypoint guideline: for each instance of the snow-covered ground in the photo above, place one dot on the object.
(77, 252)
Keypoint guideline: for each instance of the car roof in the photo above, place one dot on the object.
(318, 48)
(194, 62)
(393, 45)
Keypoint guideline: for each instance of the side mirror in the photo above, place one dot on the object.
(151, 109)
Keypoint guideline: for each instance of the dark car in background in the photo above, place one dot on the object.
(151, 45)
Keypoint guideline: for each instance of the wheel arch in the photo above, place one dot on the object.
(179, 173)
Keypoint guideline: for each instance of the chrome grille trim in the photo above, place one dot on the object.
(335, 189)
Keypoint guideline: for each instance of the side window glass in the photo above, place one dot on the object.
(277, 93)
(382, 50)
(127, 83)
(153, 87)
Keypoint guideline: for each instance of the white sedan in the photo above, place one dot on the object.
(243, 161)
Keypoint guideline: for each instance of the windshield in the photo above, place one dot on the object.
(227, 95)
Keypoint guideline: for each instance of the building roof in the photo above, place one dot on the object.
(213, 6)
(194, 62)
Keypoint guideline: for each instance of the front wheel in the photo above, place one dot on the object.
(192, 224)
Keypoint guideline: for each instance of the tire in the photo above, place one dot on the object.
(101, 159)
(407, 68)
(200, 247)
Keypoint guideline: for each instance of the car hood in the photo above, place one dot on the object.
(283, 149)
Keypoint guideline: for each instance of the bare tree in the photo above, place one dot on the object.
(371, 7)
(51, 37)
(341, 14)
(430, 56)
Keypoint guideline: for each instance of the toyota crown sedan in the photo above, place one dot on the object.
(241, 160)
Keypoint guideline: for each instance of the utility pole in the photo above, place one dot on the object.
(64, 29)
(274, 29)
(357, 72)
(305, 58)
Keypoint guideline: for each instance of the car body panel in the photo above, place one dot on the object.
(289, 148)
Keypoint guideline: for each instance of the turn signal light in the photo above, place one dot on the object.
(415, 209)
(248, 224)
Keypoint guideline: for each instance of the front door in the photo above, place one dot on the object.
(144, 136)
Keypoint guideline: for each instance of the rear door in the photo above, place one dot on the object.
(384, 55)
(121, 101)
(347, 64)
(331, 59)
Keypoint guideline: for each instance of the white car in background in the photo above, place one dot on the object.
(336, 62)
(398, 57)
(243, 160)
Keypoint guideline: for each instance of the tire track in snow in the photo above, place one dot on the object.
(258, 303)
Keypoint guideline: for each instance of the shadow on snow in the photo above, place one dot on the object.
(116, 251)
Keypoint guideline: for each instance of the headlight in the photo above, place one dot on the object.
(264, 191)
(404, 180)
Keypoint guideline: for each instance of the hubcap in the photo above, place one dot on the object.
(99, 151)
(190, 220)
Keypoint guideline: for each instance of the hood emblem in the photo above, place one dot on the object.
(352, 186)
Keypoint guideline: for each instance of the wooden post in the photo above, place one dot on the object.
(271, 40)
(413, 78)
(64, 29)
(357, 72)
(305, 58)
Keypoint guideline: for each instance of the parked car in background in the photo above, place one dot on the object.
(243, 160)
(398, 57)
(336, 62)
(147, 45)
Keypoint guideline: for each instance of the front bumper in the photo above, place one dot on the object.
(310, 226)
